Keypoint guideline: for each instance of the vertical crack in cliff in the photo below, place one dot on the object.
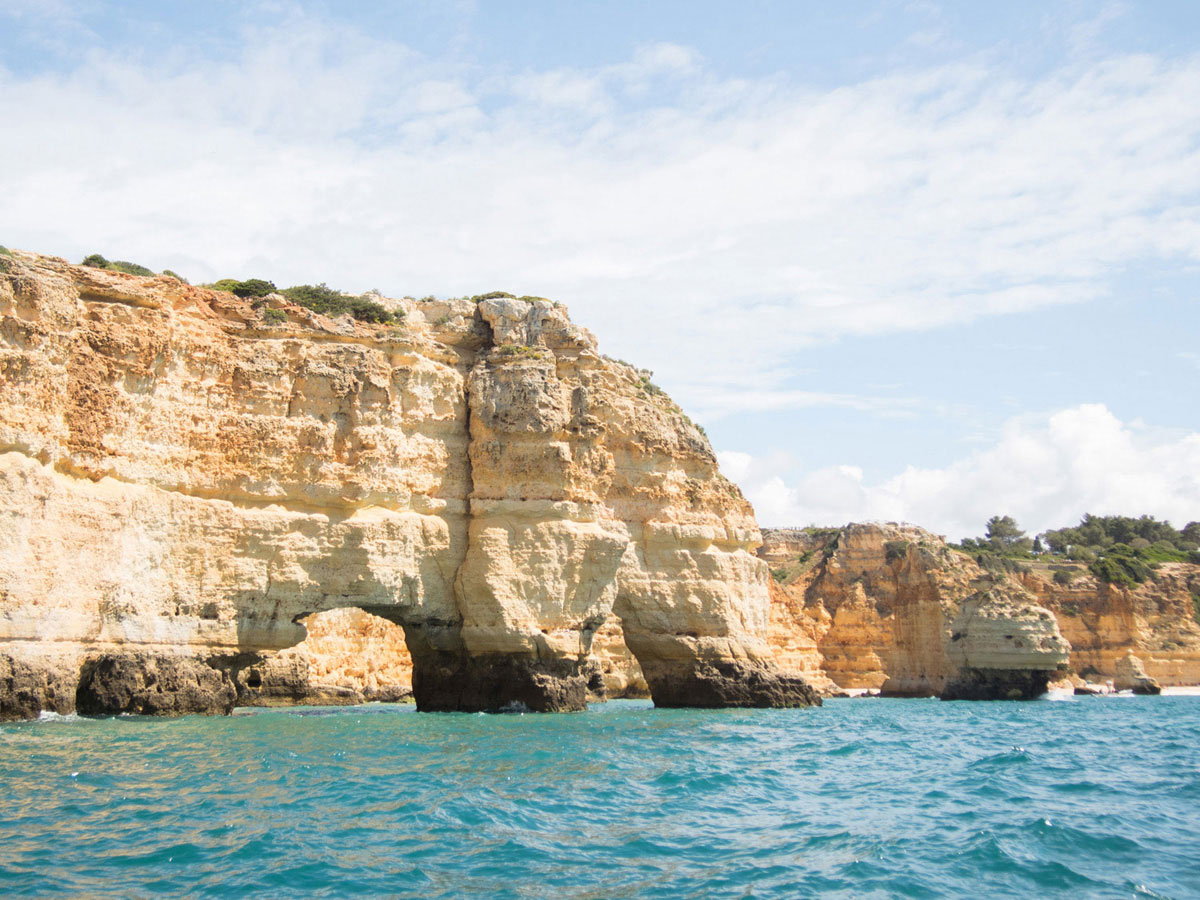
(485, 330)
(468, 493)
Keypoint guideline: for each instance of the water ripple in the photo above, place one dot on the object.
(879, 798)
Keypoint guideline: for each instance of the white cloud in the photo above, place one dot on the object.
(1046, 471)
(669, 207)
(721, 400)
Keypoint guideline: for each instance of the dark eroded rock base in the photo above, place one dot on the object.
(997, 684)
(726, 683)
(26, 689)
(450, 682)
(147, 683)
(154, 684)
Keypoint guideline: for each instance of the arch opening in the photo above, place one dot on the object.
(348, 656)
(616, 672)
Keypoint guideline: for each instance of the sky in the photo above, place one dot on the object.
(905, 261)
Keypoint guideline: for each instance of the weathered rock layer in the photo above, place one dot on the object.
(891, 607)
(1156, 620)
(181, 478)
(1003, 646)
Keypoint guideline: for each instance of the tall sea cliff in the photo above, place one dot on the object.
(888, 607)
(185, 475)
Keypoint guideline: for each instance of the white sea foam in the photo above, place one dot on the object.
(1059, 694)
(47, 715)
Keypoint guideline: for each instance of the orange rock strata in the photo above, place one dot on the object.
(875, 606)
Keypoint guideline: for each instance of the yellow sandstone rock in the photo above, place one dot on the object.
(184, 481)
(891, 607)
(1155, 620)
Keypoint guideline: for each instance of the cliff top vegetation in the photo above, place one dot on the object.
(320, 298)
(97, 261)
(1118, 550)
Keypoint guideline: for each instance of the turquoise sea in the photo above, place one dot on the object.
(1095, 797)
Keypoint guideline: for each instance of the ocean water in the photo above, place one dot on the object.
(1096, 797)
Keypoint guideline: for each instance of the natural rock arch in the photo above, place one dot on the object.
(184, 480)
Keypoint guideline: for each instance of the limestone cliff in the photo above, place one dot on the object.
(891, 607)
(183, 481)
(1155, 620)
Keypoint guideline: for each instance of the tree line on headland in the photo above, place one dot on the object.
(1116, 549)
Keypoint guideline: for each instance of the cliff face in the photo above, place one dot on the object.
(834, 621)
(1155, 620)
(891, 607)
(181, 483)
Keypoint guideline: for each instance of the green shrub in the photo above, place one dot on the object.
(320, 298)
(96, 261)
(1000, 565)
(494, 295)
(1134, 562)
(327, 301)
(130, 268)
(175, 275)
(779, 575)
(894, 550)
(4, 251)
(373, 313)
(1160, 554)
(649, 388)
(819, 532)
(254, 287)
(1121, 570)
(1062, 577)
(251, 287)
(1016, 549)
(274, 316)
(1196, 603)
